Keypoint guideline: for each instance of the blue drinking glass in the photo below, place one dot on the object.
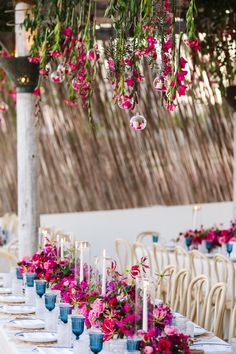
(96, 341)
(50, 301)
(65, 311)
(133, 344)
(40, 286)
(229, 248)
(188, 241)
(209, 246)
(77, 322)
(155, 238)
(30, 279)
(19, 275)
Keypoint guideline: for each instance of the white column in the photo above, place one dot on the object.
(234, 168)
(27, 152)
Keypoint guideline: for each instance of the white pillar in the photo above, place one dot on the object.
(27, 152)
(234, 168)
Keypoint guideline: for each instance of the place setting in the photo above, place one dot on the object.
(118, 177)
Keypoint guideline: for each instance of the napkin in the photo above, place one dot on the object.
(39, 336)
(54, 350)
(29, 323)
(216, 349)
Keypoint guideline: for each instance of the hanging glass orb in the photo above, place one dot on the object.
(126, 102)
(3, 107)
(138, 122)
(61, 69)
(76, 84)
(56, 77)
(158, 84)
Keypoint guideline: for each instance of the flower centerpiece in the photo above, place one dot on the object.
(170, 342)
(113, 312)
(214, 236)
(47, 265)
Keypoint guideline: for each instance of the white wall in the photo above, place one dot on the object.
(101, 228)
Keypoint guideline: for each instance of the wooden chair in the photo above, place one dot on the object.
(179, 292)
(146, 234)
(138, 251)
(225, 272)
(161, 257)
(181, 258)
(232, 325)
(13, 247)
(196, 295)
(164, 284)
(199, 264)
(214, 310)
(123, 254)
(8, 260)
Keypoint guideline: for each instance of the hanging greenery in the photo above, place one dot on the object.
(64, 42)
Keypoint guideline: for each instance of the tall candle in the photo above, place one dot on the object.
(196, 209)
(145, 306)
(104, 273)
(81, 270)
(62, 249)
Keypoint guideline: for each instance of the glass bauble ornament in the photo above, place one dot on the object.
(3, 107)
(126, 102)
(76, 84)
(138, 122)
(56, 77)
(158, 84)
(61, 69)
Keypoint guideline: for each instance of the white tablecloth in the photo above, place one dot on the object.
(209, 344)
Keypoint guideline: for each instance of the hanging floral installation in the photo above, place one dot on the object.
(64, 43)
(145, 34)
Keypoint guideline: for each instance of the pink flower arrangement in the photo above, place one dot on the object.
(170, 342)
(215, 235)
(47, 265)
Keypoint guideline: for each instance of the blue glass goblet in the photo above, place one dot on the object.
(50, 301)
(188, 241)
(19, 275)
(96, 341)
(40, 286)
(229, 248)
(30, 279)
(209, 246)
(155, 238)
(65, 311)
(77, 322)
(133, 344)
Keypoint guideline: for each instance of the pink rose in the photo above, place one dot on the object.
(129, 82)
(98, 307)
(67, 31)
(171, 330)
(148, 350)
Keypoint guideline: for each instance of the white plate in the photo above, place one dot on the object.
(37, 337)
(12, 299)
(198, 331)
(18, 309)
(27, 324)
(5, 291)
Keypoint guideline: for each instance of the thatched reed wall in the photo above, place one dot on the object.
(180, 158)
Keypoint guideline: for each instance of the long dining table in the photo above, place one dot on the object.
(9, 344)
